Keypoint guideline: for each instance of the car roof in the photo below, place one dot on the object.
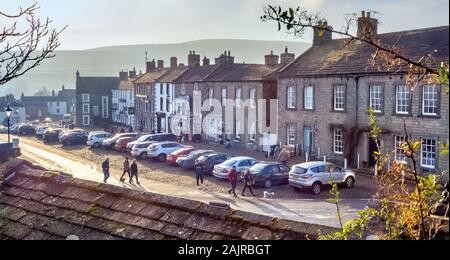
(240, 158)
(269, 163)
(311, 164)
(165, 142)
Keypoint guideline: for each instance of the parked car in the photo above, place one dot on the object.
(222, 170)
(267, 174)
(314, 175)
(183, 152)
(208, 161)
(26, 130)
(153, 138)
(140, 150)
(14, 130)
(121, 143)
(188, 162)
(95, 139)
(51, 135)
(159, 151)
(39, 130)
(73, 138)
(111, 142)
(80, 131)
(3, 129)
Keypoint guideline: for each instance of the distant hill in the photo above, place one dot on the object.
(108, 61)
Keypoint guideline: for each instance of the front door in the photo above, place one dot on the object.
(307, 140)
(373, 148)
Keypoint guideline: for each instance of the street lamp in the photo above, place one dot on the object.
(8, 112)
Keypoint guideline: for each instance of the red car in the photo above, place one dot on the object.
(121, 144)
(172, 158)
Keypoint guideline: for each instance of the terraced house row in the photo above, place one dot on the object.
(323, 98)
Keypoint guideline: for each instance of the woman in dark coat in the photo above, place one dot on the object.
(134, 172)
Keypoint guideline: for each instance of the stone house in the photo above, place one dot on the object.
(94, 100)
(325, 94)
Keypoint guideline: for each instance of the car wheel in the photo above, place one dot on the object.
(162, 157)
(144, 155)
(268, 184)
(349, 182)
(96, 145)
(316, 188)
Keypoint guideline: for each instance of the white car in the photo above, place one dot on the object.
(222, 170)
(140, 150)
(95, 139)
(314, 175)
(40, 130)
(160, 151)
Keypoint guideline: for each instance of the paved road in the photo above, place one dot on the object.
(317, 211)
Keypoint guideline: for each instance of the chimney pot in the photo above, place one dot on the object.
(368, 14)
(363, 14)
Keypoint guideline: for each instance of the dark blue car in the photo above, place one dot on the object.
(73, 138)
(267, 174)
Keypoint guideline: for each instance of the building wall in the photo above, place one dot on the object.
(144, 99)
(354, 119)
(18, 115)
(163, 110)
(57, 108)
(121, 101)
(95, 115)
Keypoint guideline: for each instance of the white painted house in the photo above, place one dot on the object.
(18, 114)
(123, 100)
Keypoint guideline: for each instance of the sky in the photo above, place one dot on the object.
(97, 23)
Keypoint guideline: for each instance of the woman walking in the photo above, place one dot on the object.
(248, 182)
(134, 172)
(199, 173)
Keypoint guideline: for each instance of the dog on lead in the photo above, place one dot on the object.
(269, 195)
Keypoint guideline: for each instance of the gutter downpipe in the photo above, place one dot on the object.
(357, 78)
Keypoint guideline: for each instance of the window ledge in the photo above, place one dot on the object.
(429, 116)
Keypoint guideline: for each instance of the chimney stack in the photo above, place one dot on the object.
(123, 75)
(287, 57)
(151, 65)
(366, 25)
(133, 74)
(225, 59)
(206, 61)
(322, 34)
(271, 59)
(160, 64)
(193, 59)
(173, 62)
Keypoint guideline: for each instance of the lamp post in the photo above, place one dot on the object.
(8, 112)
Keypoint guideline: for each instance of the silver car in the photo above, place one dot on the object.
(316, 174)
(222, 170)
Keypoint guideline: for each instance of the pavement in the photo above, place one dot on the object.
(317, 211)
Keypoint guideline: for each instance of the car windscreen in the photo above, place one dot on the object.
(258, 167)
(299, 170)
(230, 163)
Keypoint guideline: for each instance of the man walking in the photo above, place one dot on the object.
(283, 157)
(232, 176)
(126, 169)
(134, 172)
(248, 182)
(199, 173)
(105, 168)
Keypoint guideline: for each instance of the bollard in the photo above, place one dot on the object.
(389, 164)
(358, 161)
(324, 159)
(307, 157)
(318, 152)
(345, 164)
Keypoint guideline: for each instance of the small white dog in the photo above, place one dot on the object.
(269, 195)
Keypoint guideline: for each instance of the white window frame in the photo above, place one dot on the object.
(85, 98)
(376, 98)
(224, 96)
(338, 141)
(88, 117)
(292, 97)
(210, 96)
(309, 98)
(291, 137)
(238, 95)
(399, 142)
(402, 100)
(252, 132)
(431, 98)
(428, 158)
(339, 97)
(252, 95)
(86, 108)
(183, 89)
(105, 109)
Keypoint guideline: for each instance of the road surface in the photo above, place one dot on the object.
(317, 211)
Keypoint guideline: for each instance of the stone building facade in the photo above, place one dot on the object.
(324, 98)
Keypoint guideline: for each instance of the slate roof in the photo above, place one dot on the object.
(67, 93)
(126, 85)
(35, 204)
(334, 58)
(13, 103)
(241, 72)
(196, 74)
(96, 85)
(172, 74)
(151, 77)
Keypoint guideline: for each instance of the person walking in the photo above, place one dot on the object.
(134, 172)
(105, 168)
(126, 169)
(283, 157)
(199, 173)
(232, 176)
(248, 182)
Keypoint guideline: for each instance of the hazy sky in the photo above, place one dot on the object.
(95, 23)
